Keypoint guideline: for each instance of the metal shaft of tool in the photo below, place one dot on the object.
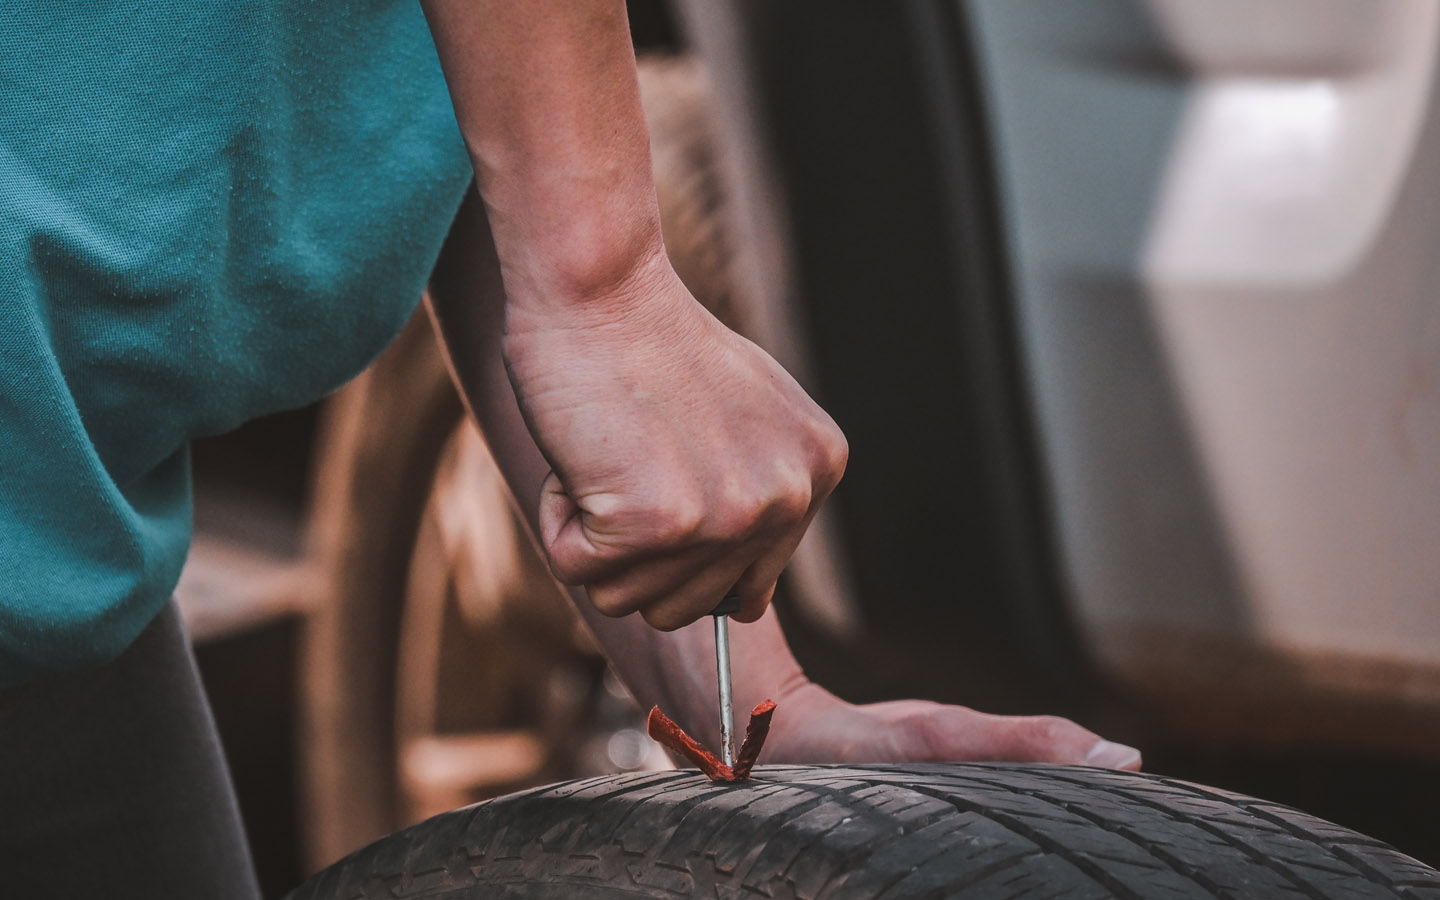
(722, 671)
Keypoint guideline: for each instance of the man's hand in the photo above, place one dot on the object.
(685, 460)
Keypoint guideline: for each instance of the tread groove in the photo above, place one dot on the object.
(1099, 875)
(1279, 868)
(1180, 866)
(1341, 848)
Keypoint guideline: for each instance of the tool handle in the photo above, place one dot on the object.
(728, 606)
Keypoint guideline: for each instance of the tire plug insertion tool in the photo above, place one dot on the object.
(727, 607)
(732, 766)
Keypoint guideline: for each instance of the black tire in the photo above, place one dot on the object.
(975, 831)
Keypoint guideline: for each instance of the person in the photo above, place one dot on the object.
(209, 211)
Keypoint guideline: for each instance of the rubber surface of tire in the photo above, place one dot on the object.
(953, 830)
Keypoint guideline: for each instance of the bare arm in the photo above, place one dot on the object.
(661, 458)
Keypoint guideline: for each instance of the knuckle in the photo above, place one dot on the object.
(836, 453)
(840, 458)
(926, 729)
(1041, 731)
(677, 521)
(741, 513)
(791, 503)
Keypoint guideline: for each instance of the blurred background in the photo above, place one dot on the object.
(1127, 308)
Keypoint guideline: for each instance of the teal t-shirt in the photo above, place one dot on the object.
(209, 210)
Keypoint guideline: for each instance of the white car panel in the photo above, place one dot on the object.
(1223, 220)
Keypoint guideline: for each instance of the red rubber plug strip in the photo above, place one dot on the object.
(674, 738)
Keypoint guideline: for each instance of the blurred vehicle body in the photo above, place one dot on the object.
(1226, 302)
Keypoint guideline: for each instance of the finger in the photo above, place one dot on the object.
(1030, 739)
(753, 605)
(649, 582)
(757, 586)
(567, 533)
(557, 510)
(574, 558)
(1053, 739)
(693, 600)
(739, 570)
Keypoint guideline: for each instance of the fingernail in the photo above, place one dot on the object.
(1105, 755)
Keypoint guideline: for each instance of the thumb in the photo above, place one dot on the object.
(959, 733)
(562, 533)
(1058, 740)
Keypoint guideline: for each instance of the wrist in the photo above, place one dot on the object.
(613, 283)
(803, 710)
(646, 318)
(594, 260)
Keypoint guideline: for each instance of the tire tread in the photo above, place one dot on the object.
(901, 832)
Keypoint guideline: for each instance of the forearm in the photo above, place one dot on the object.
(547, 100)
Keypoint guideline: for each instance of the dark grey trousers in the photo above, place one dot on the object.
(112, 784)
